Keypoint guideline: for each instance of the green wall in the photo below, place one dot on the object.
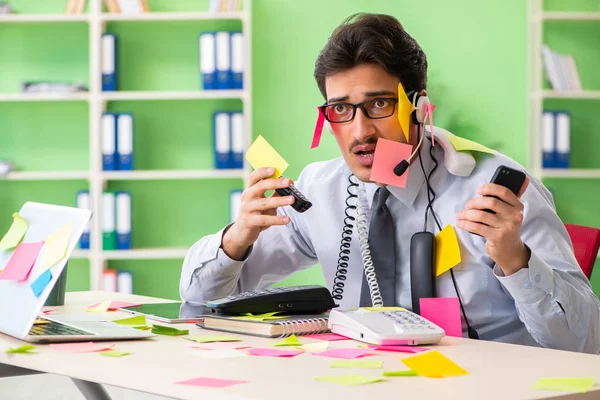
(477, 79)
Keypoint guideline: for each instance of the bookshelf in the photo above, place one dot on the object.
(186, 174)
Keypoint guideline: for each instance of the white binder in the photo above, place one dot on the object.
(125, 142)
(108, 221)
(563, 139)
(124, 282)
(109, 138)
(222, 40)
(108, 49)
(208, 61)
(222, 140)
(548, 140)
(235, 200)
(237, 140)
(123, 228)
(237, 60)
(84, 202)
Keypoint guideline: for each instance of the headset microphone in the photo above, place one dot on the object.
(418, 116)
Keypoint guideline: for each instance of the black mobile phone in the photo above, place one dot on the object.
(509, 178)
(301, 203)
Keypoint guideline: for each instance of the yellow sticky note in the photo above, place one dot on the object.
(356, 364)
(113, 353)
(315, 347)
(384, 308)
(289, 341)
(102, 307)
(577, 385)
(405, 108)
(447, 252)
(260, 317)
(462, 144)
(261, 155)
(349, 379)
(433, 364)
(55, 247)
(139, 320)
(15, 233)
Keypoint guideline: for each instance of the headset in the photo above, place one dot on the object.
(422, 251)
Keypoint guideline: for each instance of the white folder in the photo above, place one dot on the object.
(237, 59)
(208, 60)
(222, 40)
(125, 141)
(109, 138)
(123, 228)
(235, 199)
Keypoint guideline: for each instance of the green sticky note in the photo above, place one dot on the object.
(408, 372)
(139, 320)
(462, 144)
(356, 364)
(362, 346)
(577, 385)
(142, 327)
(25, 349)
(349, 379)
(113, 353)
(167, 330)
(15, 233)
(210, 339)
(289, 341)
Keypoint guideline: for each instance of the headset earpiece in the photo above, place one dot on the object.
(420, 104)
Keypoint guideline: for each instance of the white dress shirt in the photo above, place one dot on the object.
(549, 304)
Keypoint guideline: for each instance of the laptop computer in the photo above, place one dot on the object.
(20, 307)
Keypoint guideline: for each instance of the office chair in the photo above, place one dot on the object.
(586, 241)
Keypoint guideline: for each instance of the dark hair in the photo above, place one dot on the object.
(376, 39)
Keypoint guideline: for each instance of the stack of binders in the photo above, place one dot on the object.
(222, 60)
(117, 281)
(117, 142)
(116, 220)
(228, 140)
(109, 62)
(556, 139)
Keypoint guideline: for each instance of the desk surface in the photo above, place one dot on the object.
(497, 371)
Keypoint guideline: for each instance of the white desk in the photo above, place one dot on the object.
(497, 371)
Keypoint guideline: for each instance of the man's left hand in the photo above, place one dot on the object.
(502, 229)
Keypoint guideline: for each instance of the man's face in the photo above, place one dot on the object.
(358, 137)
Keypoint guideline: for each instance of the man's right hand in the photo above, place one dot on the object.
(257, 212)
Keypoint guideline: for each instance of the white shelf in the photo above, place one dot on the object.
(146, 254)
(79, 254)
(41, 18)
(174, 16)
(571, 173)
(571, 94)
(44, 97)
(172, 174)
(571, 16)
(175, 95)
(46, 176)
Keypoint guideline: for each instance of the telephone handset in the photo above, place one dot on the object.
(301, 203)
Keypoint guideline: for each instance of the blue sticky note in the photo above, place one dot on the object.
(41, 282)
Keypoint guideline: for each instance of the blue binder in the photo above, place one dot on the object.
(548, 127)
(563, 139)
(222, 139)
(123, 225)
(125, 141)
(109, 62)
(237, 140)
(208, 60)
(109, 142)
(223, 45)
(84, 202)
(237, 60)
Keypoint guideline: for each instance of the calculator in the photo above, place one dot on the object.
(307, 299)
(385, 327)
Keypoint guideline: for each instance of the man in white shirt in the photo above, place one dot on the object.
(518, 279)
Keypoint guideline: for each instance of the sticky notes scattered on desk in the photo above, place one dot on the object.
(408, 372)
(101, 307)
(56, 247)
(400, 349)
(444, 312)
(15, 233)
(219, 346)
(315, 347)
(209, 339)
(41, 282)
(433, 364)
(332, 337)
(289, 341)
(169, 331)
(447, 251)
(20, 263)
(25, 349)
(113, 353)
(260, 154)
(575, 385)
(462, 144)
(112, 305)
(218, 354)
(87, 347)
(274, 352)
(346, 354)
(138, 320)
(349, 379)
(211, 382)
(386, 157)
(356, 364)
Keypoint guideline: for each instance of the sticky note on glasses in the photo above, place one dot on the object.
(318, 129)
(405, 108)
(262, 155)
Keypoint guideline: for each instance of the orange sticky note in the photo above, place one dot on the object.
(388, 154)
(444, 312)
(433, 364)
(405, 108)
(447, 251)
(261, 154)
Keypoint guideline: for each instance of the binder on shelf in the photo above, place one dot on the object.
(548, 139)
(109, 62)
(563, 139)
(123, 228)
(109, 239)
(235, 200)
(109, 278)
(84, 202)
(237, 60)
(237, 140)
(208, 68)
(125, 282)
(223, 46)
(131, 7)
(125, 142)
(109, 142)
(222, 138)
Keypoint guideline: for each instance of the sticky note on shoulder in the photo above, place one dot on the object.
(262, 155)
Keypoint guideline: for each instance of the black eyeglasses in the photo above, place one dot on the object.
(378, 108)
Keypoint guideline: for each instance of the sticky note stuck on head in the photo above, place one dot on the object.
(405, 108)
(262, 155)
(388, 154)
(15, 233)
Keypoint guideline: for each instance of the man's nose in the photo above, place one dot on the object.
(362, 126)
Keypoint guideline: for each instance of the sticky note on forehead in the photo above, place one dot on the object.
(262, 155)
(405, 108)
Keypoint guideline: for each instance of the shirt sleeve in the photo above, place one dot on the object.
(554, 299)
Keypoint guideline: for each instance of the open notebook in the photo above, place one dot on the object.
(290, 325)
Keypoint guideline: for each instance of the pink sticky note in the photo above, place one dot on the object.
(346, 354)
(332, 337)
(86, 347)
(274, 352)
(117, 304)
(429, 114)
(388, 154)
(47, 311)
(399, 349)
(318, 129)
(444, 312)
(218, 346)
(211, 382)
(20, 263)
